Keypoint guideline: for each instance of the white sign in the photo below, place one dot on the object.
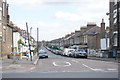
(104, 43)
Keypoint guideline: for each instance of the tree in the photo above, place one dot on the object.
(20, 42)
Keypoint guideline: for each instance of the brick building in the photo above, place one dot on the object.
(0, 26)
(114, 8)
(5, 30)
(92, 37)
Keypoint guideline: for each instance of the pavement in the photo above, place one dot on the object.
(7, 62)
(105, 59)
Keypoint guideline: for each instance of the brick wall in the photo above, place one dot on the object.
(7, 45)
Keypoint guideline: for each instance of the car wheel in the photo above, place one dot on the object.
(86, 57)
(74, 56)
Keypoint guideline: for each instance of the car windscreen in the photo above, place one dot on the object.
(81, 50)
(42, 53)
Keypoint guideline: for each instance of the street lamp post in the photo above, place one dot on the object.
(29, 41)
(106, 41)
(31, 31)
(37, 39)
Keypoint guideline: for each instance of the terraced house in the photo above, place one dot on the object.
(6, 28)
(0, 26)
(114, 15)
(87, 37)
(114, 22)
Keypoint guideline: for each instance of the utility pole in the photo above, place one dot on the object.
(118, 25)
(37, 38)
(118, 28)
(31, 31)
(29, 40)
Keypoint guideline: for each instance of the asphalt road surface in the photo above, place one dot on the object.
(57, 66)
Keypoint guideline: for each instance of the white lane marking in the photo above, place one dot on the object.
(36, 61)
(68, 64)
(75, 61)
(98, 70)
(50, 72)
(92, 68)
(55, 64)
(87, 66)
(32, 68)
(112, 69)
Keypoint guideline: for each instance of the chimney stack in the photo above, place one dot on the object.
(102, 29)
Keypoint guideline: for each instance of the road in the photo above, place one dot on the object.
(57, 66)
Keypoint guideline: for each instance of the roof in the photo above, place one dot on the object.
(91, 23)
(93, 31)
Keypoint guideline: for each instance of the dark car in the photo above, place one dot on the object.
(42, 54)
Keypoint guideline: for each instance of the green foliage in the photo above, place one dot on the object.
(54, 47)
(35, 50)
(20, 42)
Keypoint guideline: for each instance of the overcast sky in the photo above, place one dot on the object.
(56, 18)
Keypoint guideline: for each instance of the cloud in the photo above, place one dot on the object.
(31, 4)
(94, 10)
(41, 1)
(27, 4)
(66, 19)
(49, 31)
(24, 2)
(67, 16)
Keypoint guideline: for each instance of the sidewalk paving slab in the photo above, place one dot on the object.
(104, 59)
(7, 62)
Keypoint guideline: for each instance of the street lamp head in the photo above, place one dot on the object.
(107, 13)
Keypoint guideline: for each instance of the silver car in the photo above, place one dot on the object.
(80, 53)
(42, 54)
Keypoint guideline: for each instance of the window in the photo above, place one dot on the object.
(85, 39)
(115, 40)
(115, 20)
(115, 2)
(3, 11)
(0, 13)
(115, 13)
(4, 33)
(119, 14)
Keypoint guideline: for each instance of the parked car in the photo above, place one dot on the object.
(68, 52)
(58, 52)
(80, 53)
(42, 54)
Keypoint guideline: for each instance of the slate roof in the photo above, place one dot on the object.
(93, 31)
